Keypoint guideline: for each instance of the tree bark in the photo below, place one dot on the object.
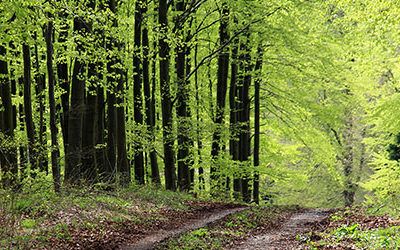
(222, 85)
(40, 79)
(182, 106)
(8, 155)
(167, 120)
(30, 127)
(73, 154)
(256, 156)
(137, 92)
(55, 152)
(244, 115)
(63, 79)
(149, 96)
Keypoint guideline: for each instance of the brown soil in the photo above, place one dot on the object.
(284, 236)
(143, 235)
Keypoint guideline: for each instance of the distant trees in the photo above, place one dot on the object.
(127, 88)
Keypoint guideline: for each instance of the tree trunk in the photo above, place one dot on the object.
(182, 105)
(244, 114)
(40, 96)
(256, 156)
(55, 152)
(73, 154)
(199, 121)
(222, 85)
(8, 155)
(89, 173)
(149, 96)
(166, 103)
(30, 127)
(137, 92)
(63, 79)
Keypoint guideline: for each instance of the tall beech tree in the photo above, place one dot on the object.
(222, 86)
(182, 98)
(166, 101)
(257, 106)
(30, 127)
(55, 152)
(149, 91)
(137, 90)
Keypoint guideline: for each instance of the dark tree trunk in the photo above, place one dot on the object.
(40, 96)
(63, 79)
(182, 106)
(55, 152)
(110, 167)
(30, 127)
(234, 108)
(149, 95)
(73, 154)
(8, 155)
(100, 135)
(244, 114)
(123, 167)
(166, 103)
(23, 151)
(137, 91)
(222, 85)
(256, 156)
(199, 121)
(88, 171)
(188, 69)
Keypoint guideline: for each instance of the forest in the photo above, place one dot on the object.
(123, 118)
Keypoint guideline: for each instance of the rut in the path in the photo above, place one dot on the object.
(285, 237)
(151, 241)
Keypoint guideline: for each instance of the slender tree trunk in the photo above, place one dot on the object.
(256, 156)
(244, 117)
(55, 152)
(40, 96)
(123, 167)
(30, 127)
(234, 108)
(23, 151)
(150, 100)
(63, 79)
(222, 85)
(167, 120)
(8, 155)
(89, 172)
(137, 91)
(182, 105)
(100, 135)
(199, 121)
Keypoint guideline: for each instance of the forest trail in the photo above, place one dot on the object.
(152, 241)
(285, 236)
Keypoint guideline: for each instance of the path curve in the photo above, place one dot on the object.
(151, 241)
(285, 236)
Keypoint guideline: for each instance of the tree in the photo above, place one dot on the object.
(222, 85)
(55, 152)
(166, 102)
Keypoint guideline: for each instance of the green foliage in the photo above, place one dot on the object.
(28, 223)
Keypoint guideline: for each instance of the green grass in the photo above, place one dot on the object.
(36, 214)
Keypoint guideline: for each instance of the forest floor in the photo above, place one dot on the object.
(149, 218)
(291, 228)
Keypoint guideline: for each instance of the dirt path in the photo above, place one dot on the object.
(151, 241)
(285, 236)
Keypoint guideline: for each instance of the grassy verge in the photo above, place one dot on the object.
(354, 229)
(231, 230)
(80, 219)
